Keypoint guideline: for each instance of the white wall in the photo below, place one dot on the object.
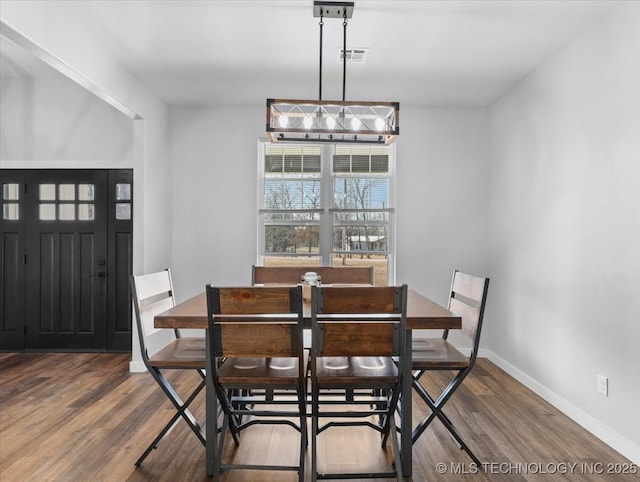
(55, 122)
(442, 199)
(565, 228)
(442, 169)
(214, 175)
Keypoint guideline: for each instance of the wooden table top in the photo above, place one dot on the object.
(422, 314)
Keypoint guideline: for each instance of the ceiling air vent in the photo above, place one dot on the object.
(354, 56)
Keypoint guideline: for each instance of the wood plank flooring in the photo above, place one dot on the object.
(80, 417)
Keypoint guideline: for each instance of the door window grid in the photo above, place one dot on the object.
(123, 196)
(66, 202)
(11, 210)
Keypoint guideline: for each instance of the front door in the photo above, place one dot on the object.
(56, 238)
(66, 234)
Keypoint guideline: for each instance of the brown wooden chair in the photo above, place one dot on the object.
(365, 327)
(257, 331)
(273, 275)
(152, 294)
(468, 298)
(328, 274)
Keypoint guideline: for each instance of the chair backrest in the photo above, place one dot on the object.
(152, 294)
(328, 274)
(359, 320)
(256, 321)
(467, 299)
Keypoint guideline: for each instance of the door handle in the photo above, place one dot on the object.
(99, 274)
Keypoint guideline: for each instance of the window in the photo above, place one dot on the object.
(66, 202)
(10, 201)
(326, 205)
(123, 204)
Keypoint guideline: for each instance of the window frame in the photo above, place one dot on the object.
(327, 211)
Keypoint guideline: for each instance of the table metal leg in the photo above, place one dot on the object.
(212, 418)
(406, 445)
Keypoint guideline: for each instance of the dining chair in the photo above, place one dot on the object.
(468, 296)
(356, 333)
(272, 275)
(152, 294)
(257, 332)
(328, 274)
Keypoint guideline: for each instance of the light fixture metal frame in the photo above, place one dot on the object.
(294, 120)
(326, 9)
(335, 121)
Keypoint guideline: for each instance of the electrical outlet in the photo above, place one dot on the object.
(603, 385)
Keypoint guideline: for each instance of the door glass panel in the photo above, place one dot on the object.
(123, 192)
(67, 192)
(11, 192)
(85, 212)
(66, 212)
(47, 212)
(85, 192)
(123, 211)
(11, 211)
(47, 192)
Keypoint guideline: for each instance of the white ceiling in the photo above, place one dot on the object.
(421, 52)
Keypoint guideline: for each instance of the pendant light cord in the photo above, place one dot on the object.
(320, 70)
(344, 57)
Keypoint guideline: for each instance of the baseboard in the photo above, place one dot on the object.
(137, 367)
(625, 447)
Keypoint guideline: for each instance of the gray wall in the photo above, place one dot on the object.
(57, 122)
(564, 226)
(214, 176)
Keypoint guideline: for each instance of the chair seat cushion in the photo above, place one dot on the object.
(181, 353)
(436, 353)
(259, 371)
(356, 371)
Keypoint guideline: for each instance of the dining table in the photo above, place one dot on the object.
(422, 314)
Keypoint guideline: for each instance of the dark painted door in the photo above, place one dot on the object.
(66, 258)
(12, 258)
(120, 258)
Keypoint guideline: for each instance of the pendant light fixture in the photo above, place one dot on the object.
(291, 120)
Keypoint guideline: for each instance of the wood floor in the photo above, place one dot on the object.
(80, 417)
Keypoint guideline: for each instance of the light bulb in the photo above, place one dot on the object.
(283, 121)
(331, 122)
(308, 122)
(355, 123)
(380, 124)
